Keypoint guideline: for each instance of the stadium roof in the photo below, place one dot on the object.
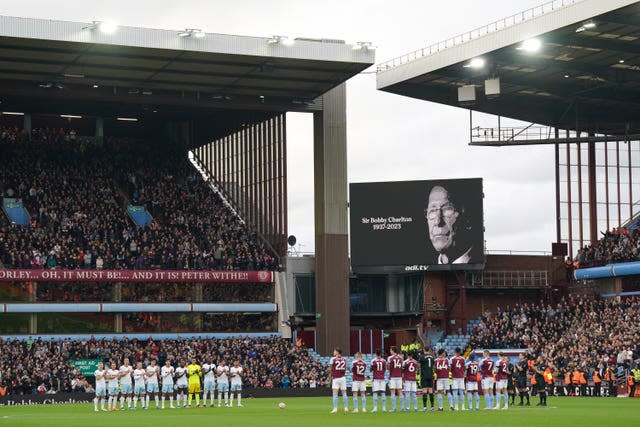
(585, 74)
(43, 61)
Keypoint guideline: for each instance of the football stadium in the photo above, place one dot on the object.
(148, 275)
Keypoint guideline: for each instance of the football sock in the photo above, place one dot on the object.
(364, 401)
(355, 401)
(488, 400)
(415, 400)
(440, 400)
(95, 403)
(455, 399)
(384, 400)
(157, 399)
(162, 401)
(424, 400)
(345, 400)
(469, 394)
(375, 400)
(335, 400)
(498, 396)
(401, 400)
(129, 402)
(407, 399)
(431, 397)
(231, 399)
(198, 399)
(135, 402)
(461, 398)
(146, 401)
(240, 399)
(393, 401)
(449, 399)
(506, 398)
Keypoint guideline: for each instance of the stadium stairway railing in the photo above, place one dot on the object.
(15, 211)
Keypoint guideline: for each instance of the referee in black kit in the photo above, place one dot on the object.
(425, 358)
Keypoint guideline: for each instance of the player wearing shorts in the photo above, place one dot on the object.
(394, 364)
(151, 375)
(101, 387)
(167, 373)
(457, 379)
(501, 382)
(126, 387)
(112, 386)
(358, 386)
(182, 384)
(472, 382)
(235, 372)
(139, 386)
(223, 383)
(521, 379)
(510, 380)
(539, 368)
(209, 372)
(378, 369)
(426, 376)
(194, 372)
(337, 370)
(442, 382)
(409, 372)
(486, 374)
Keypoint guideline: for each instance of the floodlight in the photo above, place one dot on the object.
(531, 45)
(192, 32)
(286, 41)
(363, 46)
(107, 27)
(475, 63)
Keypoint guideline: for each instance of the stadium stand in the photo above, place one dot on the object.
(74, 226)
(268, 362)
(581, 332)
(616, 245)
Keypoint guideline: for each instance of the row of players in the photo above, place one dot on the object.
(133, 384)
(452, 377)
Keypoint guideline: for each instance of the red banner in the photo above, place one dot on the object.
(196, 276)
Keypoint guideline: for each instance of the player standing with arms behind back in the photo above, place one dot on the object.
(337, 370)
(457, 379)
(486, 372)
(358, 386)
(409, 372)
(501, 382)
(235, 372)
(378, 369)
(442, 372)
(472, 382)
(394, 363)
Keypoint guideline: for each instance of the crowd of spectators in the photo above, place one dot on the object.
(72, 189)
(617, 245)
(39, 366)
(579, 332)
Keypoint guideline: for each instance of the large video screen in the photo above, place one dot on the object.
(417, 225)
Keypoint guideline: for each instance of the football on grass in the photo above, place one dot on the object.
(282, 405)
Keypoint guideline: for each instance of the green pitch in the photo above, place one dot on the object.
(310, 412)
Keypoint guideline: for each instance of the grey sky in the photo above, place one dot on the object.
(390, 137)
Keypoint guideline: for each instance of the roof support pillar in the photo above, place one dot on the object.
(330, 196)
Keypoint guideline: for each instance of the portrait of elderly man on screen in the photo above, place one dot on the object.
(449, 227)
